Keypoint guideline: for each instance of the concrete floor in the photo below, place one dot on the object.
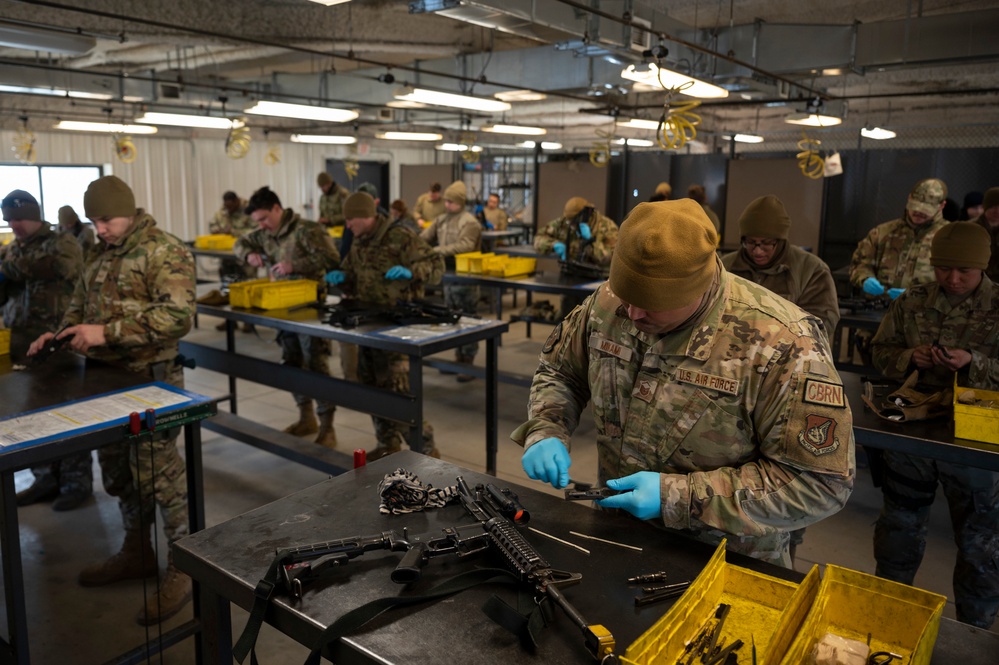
(70, 624)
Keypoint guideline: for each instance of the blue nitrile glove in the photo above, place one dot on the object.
(336, 277)
(559, 248)
(584, 231)
(644, 502)
(548, 461)
(873, 287)
(490, 227)
(398, 272)
(895, 293)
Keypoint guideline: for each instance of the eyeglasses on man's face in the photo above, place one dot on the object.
(750, 245)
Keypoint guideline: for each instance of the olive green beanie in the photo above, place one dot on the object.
(574, 206)
(21, 205)
(359, 205)
(108, 197)
(961, 245)
(765, 217)
(456, 192)
(665, 255)
(324, 179)
(68, 216)
(991, 198)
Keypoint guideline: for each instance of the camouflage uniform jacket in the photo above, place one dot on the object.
(794, 275)
(742, 413)
(428, 210)
(331, 205)
(84, 235)
(40, 273)
(232, 223)
(142, 291)
(304, 244)
(390, 244)
(498, 218)
(897, 253)
(993, 268)
(597, 251)
(923, 315)
(454, 234)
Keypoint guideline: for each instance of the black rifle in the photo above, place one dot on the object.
(352, 313)
(583, 269)
(495, 511)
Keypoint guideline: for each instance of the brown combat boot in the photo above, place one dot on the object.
(135, 561)
(468, 360)
(327, 435)
(174, 593)
(307, 423)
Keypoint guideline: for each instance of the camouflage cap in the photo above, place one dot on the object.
(359, 205)
(574, 206)
(21, 205)
(324, 179)
(991, 198)
(927, 196)
(108, 197)
(961, 245)
(765, 217)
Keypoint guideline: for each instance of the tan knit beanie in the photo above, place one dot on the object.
(108, 197)
(324, 179)
(68, 216)
(665, 189)
(574, 206)
(456, 192)
(765, 217)
(665, 255)
(961, 245)
(359, 205)
(991, 198)
(21, 205)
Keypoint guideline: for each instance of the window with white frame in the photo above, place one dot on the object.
(53, 186)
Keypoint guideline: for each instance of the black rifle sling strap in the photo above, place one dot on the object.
(261, 599)
(525, 621)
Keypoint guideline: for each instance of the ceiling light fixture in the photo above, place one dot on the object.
(49, 41)
(638, 123)
(744, 138)
(812, 119)
(520, 96)
(458, 147)
(330, 3)
(302, 112)
(185, 120)
(636, 143)
(670, 79)
(437, 98)
(520, 130)
(54, 92)
(409, 136)
(545, 145)
(877, 133)
(323, 138)
(106, 127)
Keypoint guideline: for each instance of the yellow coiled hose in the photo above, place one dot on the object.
(809, 160)
(24, 146)
(600, 153)
(237, 143)
(124, 149)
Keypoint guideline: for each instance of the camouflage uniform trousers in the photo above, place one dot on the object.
(900, 534)
(147, 473)
(390, 371)
(307, 352)
(465, 298)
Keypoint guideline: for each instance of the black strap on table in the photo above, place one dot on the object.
(261, 599)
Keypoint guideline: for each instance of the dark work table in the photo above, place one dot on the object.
(230, 558)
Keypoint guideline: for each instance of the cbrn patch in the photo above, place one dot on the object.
(553, 339)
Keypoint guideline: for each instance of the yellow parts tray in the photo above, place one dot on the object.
(336, 231)
(220, 241)
(978, 422)
(281, 295)
(239, 292)
(470, 261)
(899, 618)
(503, 265)
(4, 341)
(757, 604)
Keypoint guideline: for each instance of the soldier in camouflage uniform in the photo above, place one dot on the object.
(69, 222)
(331, 201)
(294, 248)
(989, 220)
(715, 401)
(429, 205)
(456, 232)
(960, 312)
(230, 220)
(388, 263)
(132, 304)
(37, 274)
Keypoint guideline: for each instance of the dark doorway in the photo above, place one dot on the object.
(377, 173)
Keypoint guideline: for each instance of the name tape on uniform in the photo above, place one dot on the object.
(607, 346)
(719, 383)
(825, 394)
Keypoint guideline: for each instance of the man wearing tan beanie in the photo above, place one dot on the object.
(768, 259)
(989, 220)
(331, 201)
(133, 302)
(717, 406)
(946, 328)
(457, 231)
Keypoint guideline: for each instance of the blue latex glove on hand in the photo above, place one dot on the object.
(398, 272)
(895, 293)
(873, 287)
(490, 227)
(336, 277)
(643, 502)
(559, 248)
(548, 461)
(584, 231)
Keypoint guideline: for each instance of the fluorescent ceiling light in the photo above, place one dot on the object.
(545, 145)
(133, 98)
(107, 127)
(49, 41)
(54, 92)
(515, 129)
(185, 120)
(636, 143)
(330, 3)
(404, 104)
(812, 119)
(437, 98)
(639, 123)
(744, 138)
(409, 136)
(323, 138)
(302, 112)
(877, 133)
(671, 79)
(520, 96)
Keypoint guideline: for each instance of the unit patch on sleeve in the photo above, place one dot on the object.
(553, 339)
(819, 435)
(607, 346)
(824, 394)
